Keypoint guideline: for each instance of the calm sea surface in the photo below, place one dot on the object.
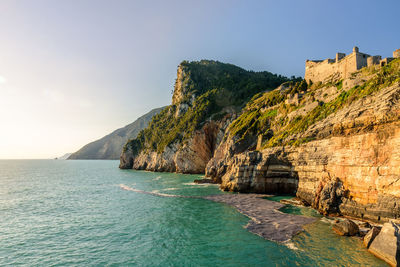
(61, 213)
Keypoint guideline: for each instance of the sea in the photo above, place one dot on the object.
(77, 213)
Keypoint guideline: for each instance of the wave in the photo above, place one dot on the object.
(153, 193)
(157, 178)
(264, 218)
(290, 245)
(169, 189)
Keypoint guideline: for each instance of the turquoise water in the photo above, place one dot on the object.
(68, 213)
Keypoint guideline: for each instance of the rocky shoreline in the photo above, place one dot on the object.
(382, 240)
(346, 163)
(265, 218)
(267, 221)
(334, 144)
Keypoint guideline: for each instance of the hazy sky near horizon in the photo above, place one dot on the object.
(73, 71)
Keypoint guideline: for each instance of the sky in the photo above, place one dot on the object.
(73, 71)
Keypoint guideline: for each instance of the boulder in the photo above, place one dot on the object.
(370, 236)
(346, 227)
(386, 244)
(329, 197)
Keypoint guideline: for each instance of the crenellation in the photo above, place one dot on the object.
(343, 65)
(339, 56)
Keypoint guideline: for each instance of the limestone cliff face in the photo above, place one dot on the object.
(190, 157)
(183, 137)
(352, 168)
(335, 145)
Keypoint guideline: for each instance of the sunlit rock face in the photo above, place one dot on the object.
(335, 145)
(353, 168)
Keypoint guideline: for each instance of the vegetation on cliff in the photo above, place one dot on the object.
(281, 122)
(258, 113)
(204, 90)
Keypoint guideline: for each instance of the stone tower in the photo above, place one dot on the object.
(396, 53)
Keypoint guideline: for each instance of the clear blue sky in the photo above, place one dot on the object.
(72, 71)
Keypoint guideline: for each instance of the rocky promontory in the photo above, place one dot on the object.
(207, 96)
(334, 144)
(346, 163)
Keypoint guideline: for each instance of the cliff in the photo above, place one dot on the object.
(207, 96)
(110, 146)
(335, 145)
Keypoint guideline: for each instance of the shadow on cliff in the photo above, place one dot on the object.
(280, 177)
(273, 174)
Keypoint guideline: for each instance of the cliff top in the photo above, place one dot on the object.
(204, 90)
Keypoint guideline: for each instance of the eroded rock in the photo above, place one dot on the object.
(370, 236)
(256, 172)
(204, 181)
(346, 227)
(386, 244)
(351, 169)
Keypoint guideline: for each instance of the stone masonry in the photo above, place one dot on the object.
(343, 66)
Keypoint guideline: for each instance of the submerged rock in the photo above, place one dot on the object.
(346, 227)
(293, 201)
(386, 244)
(266, 219)
(204, 181)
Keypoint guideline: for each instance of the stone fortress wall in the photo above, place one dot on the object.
(343, 66)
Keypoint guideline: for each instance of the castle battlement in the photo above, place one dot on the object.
(342, 66)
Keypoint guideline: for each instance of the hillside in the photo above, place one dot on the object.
(110, 146)
(336, 145)
(207, 95)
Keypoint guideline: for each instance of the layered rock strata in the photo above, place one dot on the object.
(351, 169)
